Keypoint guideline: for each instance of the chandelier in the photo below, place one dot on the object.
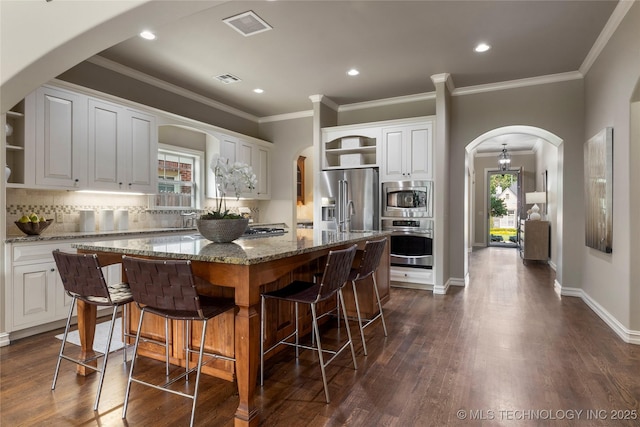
(504, 159)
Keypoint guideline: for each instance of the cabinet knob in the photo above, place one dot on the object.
(53, 269)
(120, 184)
(76, 180)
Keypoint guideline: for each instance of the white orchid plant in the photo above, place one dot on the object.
(237, 176)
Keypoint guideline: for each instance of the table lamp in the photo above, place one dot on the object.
(535, 198)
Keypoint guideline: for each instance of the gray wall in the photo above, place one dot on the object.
(612, 280)
(97, 78)
(290, 138)
(555, 107)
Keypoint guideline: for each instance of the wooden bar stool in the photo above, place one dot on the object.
(334, 278)
(83, 280)
(368, 265)
(168, 289)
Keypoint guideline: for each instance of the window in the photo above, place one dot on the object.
(179, 178)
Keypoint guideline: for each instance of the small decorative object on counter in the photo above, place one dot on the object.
(32, 224)
(222, 230)
(220, 225)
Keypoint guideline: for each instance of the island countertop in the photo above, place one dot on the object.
(194, 246)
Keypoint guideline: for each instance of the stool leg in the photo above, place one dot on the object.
(106, 357)
(297, 335)
(355, 297)
(198, 370)
(64, 341)
(346, 324)
(133, 362)
(316, 331)
(375, 288)
(187, 347)
(166, 345)
(262, 308)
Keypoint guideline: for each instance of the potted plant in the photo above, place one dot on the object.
(220, 225)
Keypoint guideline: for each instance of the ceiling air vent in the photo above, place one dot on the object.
(227, 78)
(247, 23)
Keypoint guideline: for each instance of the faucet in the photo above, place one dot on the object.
(188, 219)
(351, 211)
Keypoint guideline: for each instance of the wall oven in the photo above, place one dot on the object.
(411, 242)
(407, 199)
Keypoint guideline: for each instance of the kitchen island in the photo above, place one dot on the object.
(242, 269)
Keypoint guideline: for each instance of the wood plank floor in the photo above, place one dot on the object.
(505, 350)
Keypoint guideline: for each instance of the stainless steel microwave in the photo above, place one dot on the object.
(407, 199)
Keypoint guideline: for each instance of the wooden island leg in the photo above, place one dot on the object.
(247, 335)
(87, 314)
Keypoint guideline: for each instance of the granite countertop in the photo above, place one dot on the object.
(73, 235)
(48, 235)
(241, 251)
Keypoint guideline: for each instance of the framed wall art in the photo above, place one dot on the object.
(598, 187)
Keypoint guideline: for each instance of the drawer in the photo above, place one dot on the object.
(412, 275)
(23, 253)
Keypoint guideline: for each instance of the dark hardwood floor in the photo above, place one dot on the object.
(505, 350)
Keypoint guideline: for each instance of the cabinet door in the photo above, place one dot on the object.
(263, 173)
(141, 153)
(106, 143)
(60, 138)
(34, 299)
(393, 149)
(420, 152)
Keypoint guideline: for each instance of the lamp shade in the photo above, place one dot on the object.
(536, 197)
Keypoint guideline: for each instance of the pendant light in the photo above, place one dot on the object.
(504, 159)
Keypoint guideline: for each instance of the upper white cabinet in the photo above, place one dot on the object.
(256, 156)
(61, 143)
(255, 153)
(122, 148)
(351, 146)
(407, 152)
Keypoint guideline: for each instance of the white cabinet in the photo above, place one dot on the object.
(351, 146)
(61, 143)
(18, 131)
(35, 292)
(407, 152)
(122, 148)
(255, 153)
(256, 156)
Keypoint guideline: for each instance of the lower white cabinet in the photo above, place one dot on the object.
(410, 277)
(34, 294)
(35, 290)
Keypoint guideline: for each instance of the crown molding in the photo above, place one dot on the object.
(387, 101)
(161, 84)
(512, 84)
(610, 27)
(287, 116)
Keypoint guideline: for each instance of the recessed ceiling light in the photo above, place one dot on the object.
(353, 72)
(482, 47)
(147, 35)
(258, 90)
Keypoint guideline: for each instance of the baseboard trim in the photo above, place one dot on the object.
(4, 339)
(627, 335)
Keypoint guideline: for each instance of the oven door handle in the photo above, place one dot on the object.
(410, 256)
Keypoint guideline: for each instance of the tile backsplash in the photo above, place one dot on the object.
(64, 208)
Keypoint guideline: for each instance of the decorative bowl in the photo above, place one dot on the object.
(33, 228)
(222, 230)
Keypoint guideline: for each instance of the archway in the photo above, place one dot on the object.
(545, 148)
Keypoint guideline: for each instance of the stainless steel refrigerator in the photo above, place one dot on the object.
(350, 199)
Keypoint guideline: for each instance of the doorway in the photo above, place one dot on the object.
(503, 207)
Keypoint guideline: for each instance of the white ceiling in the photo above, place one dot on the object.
(396, 45)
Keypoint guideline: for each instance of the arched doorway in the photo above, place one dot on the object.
(542, 171)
